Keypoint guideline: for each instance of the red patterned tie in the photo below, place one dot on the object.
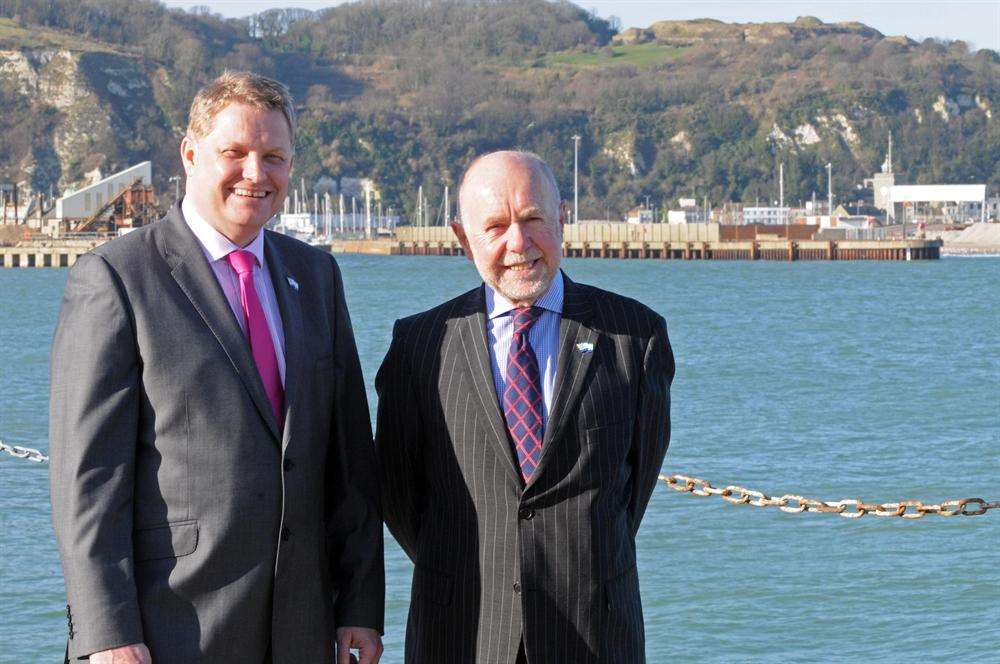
(261, 344)
(522, 399)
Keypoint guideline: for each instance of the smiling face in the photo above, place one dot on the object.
(237, 173)
(511, 225)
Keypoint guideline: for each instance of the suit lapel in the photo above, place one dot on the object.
(291, 323)
(194, 275)
(480, 373)
(572, 365)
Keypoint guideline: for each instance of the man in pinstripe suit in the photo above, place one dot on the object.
(521, 428)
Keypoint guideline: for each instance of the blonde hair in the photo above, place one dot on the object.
(239, 87)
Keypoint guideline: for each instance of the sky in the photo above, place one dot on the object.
(974, 21)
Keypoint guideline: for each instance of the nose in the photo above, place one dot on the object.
(253, 167)
(518, 238)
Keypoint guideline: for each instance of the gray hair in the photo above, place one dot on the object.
(537, 162)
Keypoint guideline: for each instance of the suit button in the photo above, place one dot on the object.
(517, 587)
(285, 534)
(526, 514)
(288, 465)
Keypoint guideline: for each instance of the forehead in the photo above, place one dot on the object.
(246, 124)
(505, 187)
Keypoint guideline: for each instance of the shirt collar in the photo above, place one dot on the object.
(497, 305)
(216, 245)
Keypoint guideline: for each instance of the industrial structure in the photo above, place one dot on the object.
(85, 202)
(115, 204)
(961, 203)
(955, 203)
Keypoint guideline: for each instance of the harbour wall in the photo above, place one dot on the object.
(674, 241)
(632, 241)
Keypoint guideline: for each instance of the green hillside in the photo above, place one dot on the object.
(407, 92)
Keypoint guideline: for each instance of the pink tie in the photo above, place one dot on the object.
(261, 344)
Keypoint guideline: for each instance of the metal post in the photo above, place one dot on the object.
(576, 182)
(781, 185)
(447, 206)
(328, 215)
(829, 190)
(368, 213)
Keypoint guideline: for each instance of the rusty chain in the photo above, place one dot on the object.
(20, 452)
(849, 509)
(737, 495)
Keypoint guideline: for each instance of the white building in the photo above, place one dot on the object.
(964, 202)
(686, 216)
(689, 213)
(992, 212)
(767, 215)
(87, 201)
(640, 215)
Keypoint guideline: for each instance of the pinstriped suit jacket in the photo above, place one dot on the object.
(497, 562)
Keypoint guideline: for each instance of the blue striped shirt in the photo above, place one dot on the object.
(543, 337)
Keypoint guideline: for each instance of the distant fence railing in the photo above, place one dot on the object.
(601, 232)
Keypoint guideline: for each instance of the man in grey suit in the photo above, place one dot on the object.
(214, 487)
(521, 428)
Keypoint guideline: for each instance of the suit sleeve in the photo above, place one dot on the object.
(354, 524)
(398, 444)
(93, 424)
(652, 431)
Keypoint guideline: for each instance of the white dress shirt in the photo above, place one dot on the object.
(216, 247)
(543, 337)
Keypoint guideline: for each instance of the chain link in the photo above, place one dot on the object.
(849, 509)
(20, 452)
(738, 495)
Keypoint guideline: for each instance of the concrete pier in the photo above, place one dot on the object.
(678, 242)
(773, 251)
(44, 254)
(631, 241)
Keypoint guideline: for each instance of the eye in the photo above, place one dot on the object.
(232, 153)
(275, 158)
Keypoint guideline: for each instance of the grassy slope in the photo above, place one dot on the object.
(637, 55)
(13, 36)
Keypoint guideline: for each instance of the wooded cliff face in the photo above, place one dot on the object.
(407, 92)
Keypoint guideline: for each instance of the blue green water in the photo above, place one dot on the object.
(865, 380)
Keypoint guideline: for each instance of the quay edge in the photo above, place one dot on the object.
(59, 254)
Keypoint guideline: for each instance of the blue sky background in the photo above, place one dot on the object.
(974, 21)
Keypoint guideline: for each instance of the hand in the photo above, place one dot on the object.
(137, 653)
(366, 641)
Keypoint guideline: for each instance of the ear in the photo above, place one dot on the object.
(459, 230)
(188, 150)
(563, 213)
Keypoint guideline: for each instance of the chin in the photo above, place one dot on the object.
(517, 290)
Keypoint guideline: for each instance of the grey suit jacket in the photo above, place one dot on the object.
(184, 520)
(553, 562)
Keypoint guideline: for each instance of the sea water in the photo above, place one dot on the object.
(833, 380)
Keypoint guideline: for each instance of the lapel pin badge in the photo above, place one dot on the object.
(294, 284)
(585, 347)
